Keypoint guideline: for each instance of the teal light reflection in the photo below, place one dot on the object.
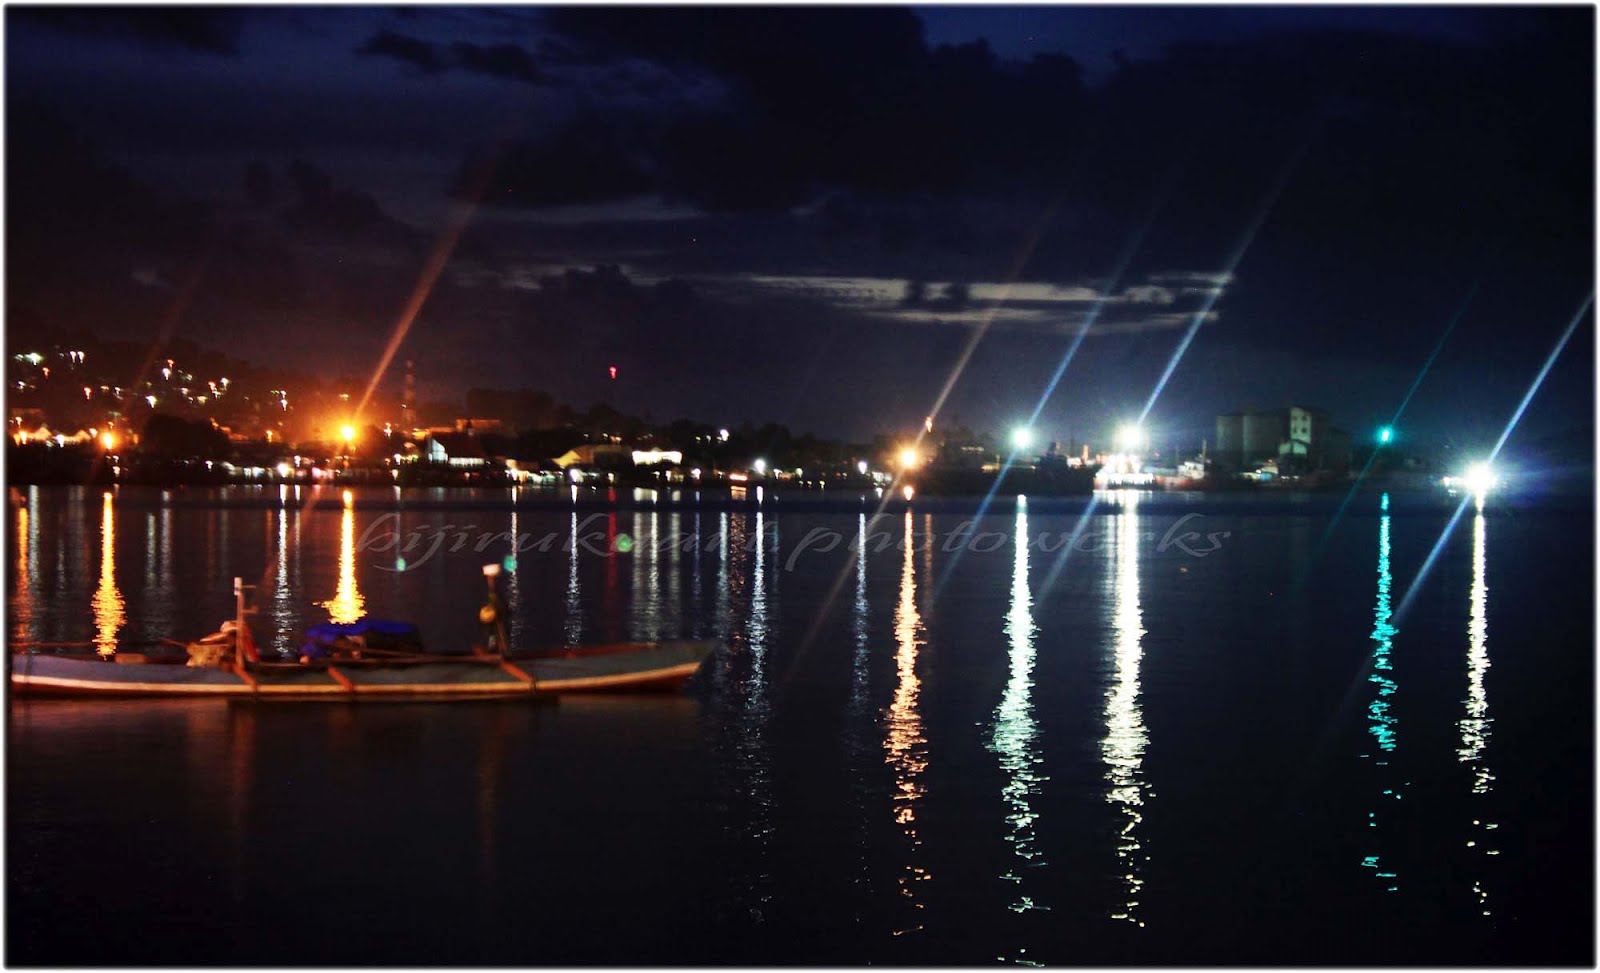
(1381, 721)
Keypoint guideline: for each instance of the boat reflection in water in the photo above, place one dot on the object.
(1475, 725)
(1016, 730)
(347, 605)
(905, 746)
(1124, 744)
(107, 603)
(1380, 716)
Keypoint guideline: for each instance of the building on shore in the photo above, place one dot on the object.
(597, 455)
(458, 449)
(1291, 440)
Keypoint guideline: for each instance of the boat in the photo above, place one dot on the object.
(371, 662)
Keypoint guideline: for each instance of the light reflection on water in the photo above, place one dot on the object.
(744, 554)
(108, 604)
(347, 605)
(573, 603)
(1015, 734)
(1475, 726)
(861, 742)
(767, 744)
(1381, 721)
(1125, 740)
(27, 576)
(905, 746)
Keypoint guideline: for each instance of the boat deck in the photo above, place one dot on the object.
(659, 666)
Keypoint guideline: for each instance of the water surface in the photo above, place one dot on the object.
(1163, 732)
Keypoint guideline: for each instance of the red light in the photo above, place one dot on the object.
(613, 371)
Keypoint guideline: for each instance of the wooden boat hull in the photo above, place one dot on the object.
(655, 667)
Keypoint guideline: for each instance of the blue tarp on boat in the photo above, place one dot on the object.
(328, 631)
(375, 632)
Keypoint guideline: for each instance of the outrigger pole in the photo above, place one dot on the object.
(241, 630)
(238, 624)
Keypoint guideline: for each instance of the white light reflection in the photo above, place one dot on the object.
(755, 758)
(862, 719)
(1475, 727)
(1016, 731)
(574, 607)
(282, 597)
(1126, 736)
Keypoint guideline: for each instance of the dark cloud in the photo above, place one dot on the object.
(583, 161)
(417, 53)
(507, 62)
(497, 60)
(1409, 164)
(203, 30)
(803, 143)
(345, 215)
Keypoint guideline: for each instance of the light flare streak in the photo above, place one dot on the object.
(1254, 227)
(1505, 434)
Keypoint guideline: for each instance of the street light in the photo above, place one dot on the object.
(1131, 438)
(909, 458)
(1480, 478)
(760, 466)
(1021, 438)
(1385, 434)
(349, 434)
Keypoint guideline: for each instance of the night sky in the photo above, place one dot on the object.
(805, 215)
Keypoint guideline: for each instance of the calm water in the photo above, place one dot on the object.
(1241, 737)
